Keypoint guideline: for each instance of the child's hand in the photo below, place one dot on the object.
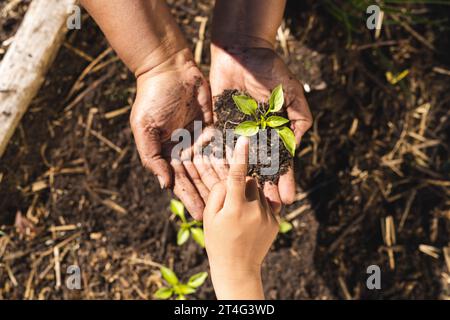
(239, 230)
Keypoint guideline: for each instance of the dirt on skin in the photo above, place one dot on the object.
(361, 162)
(229, 117)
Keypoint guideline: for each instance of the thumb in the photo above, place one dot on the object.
(236, 181)
(149, 146)
(205, 103)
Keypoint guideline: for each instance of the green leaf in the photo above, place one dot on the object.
(247, 128)
(276, 100)
(182, 236)
(169, 276)
(263, 124)
(198, 223)
(181, 297)
(276, 121)
(246, 104)
(163, 293)
(197, 279)
(285, 226)
(198, 236)
(182, 289)
(177, 208)
(288, 138)
(185, 289)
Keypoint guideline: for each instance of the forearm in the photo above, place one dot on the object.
(142, 32)
(247, 22)
(232, 284)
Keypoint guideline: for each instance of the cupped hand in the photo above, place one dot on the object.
(257, 71)
(171, 96)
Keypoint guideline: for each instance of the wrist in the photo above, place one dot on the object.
(237, 284)
(245, 56)
(163, 59)
(247, 23)
(238, 269)
(233, 40)
(237, 50)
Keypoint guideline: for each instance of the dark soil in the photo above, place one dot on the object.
(229, 116)
(10, 19)
(376, 150)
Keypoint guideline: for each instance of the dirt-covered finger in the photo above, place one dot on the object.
(286, 186)
(149, 148)
(187, 192)
(273, 196)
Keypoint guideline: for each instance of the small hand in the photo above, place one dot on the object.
(239, 229)
(257, 71)
(169, 97)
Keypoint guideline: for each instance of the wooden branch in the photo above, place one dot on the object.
(24, 66)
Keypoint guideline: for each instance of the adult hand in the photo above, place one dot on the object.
(171, 96)
(256, 71)
(171, 90)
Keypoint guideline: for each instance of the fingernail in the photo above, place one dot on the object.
(162, 184)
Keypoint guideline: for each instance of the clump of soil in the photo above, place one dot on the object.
(229, 116)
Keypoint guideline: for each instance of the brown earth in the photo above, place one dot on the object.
(376, 150)
(228, 117)
(11, 14)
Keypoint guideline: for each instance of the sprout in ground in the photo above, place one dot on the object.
(175, 287)
(193, 228)
(249, 106)
(285, 226)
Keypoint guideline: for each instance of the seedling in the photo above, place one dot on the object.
(285, 226)
(394, 79)
(175, 287)
(263, 118)
(187, 228)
